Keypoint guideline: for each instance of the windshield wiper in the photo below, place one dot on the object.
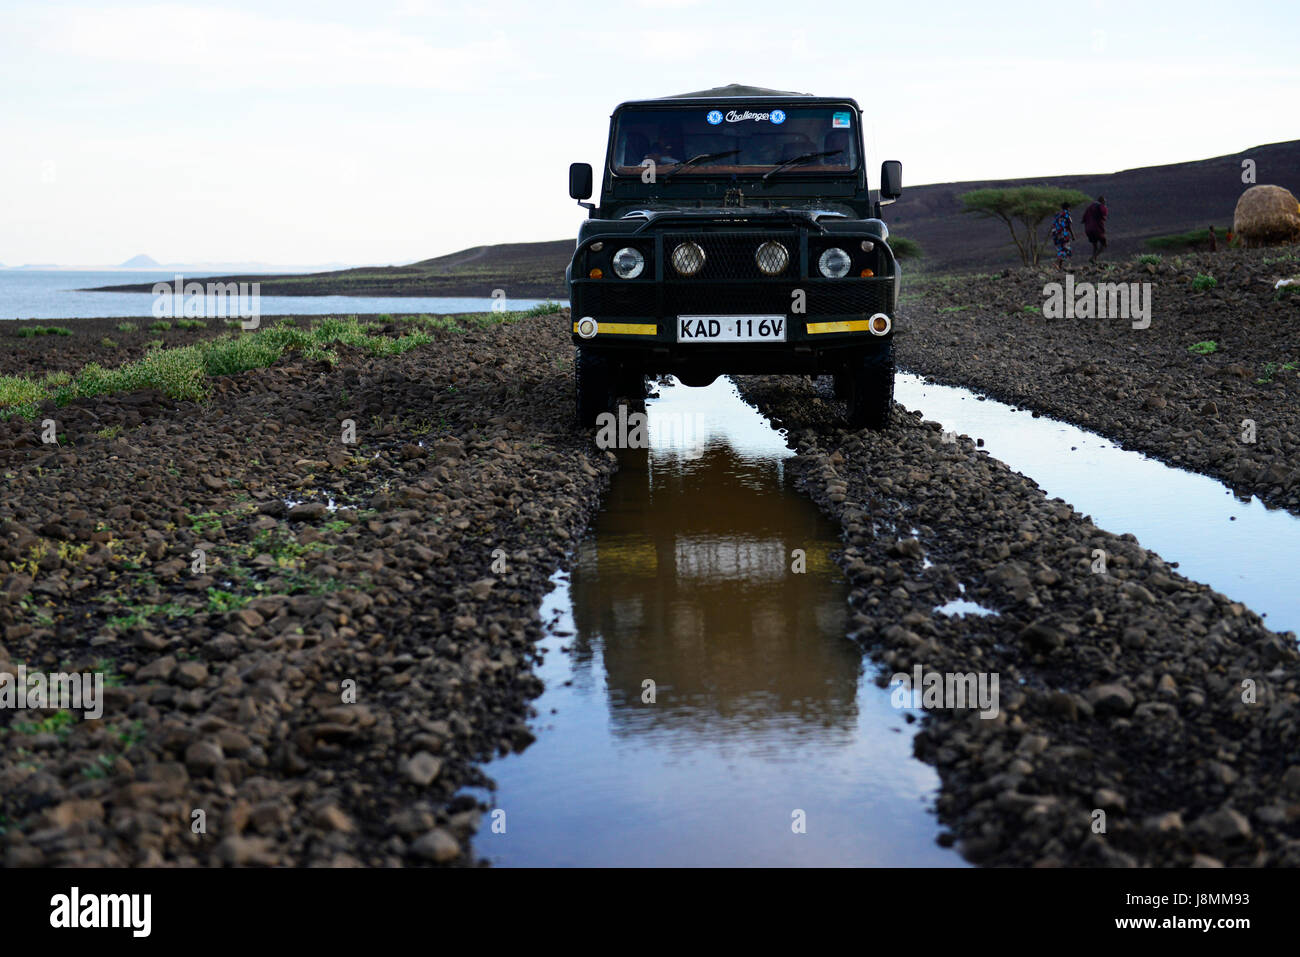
(801, 158)
(702, 158)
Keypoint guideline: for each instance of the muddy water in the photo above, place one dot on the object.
(763, 715)
(1236, 546)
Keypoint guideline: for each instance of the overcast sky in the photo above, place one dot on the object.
(332, 130)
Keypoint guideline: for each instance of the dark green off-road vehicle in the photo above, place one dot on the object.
(736, 233)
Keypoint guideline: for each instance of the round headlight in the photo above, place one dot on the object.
(772, 258)
(587, 327)
(879, 324)
(688, 259)
(834, 263)
(628, 263)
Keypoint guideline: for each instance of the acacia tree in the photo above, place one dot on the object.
(1022, 209)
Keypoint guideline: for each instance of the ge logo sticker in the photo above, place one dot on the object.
(778, 117)
(715, 117)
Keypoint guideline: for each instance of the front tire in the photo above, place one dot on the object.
(594, 381)
(871, 389)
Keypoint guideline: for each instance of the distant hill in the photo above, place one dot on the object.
(141, 262)
(523, 270)
(1144, 203)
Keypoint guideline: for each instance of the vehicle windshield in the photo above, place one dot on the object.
(746, 140)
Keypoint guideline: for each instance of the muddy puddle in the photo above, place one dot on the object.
(703, 705)
(1236, 546)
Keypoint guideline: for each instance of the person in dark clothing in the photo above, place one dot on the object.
(1094, 226)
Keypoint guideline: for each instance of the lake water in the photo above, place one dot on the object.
(54, 294)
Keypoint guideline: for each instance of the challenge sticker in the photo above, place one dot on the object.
(840, 121)
(738, 116)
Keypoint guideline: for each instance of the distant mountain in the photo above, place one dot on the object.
(141, 262)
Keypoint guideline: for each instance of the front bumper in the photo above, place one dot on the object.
(824, 317)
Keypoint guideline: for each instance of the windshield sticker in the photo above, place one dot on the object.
(839, 121)
(733, 116)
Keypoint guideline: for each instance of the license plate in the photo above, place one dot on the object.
(731, 328)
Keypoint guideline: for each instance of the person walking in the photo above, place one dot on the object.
(1094, 226)
(1062, 236)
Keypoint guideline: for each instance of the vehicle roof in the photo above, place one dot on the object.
(733, 91)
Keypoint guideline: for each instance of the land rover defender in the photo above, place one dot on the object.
(736, 233)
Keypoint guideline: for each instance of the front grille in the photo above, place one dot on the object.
(732, 255)
(610, 299)
(821, 298)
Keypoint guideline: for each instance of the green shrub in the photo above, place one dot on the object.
(191, 324)
(1202, 281)
(1149, 259)
(1204, 348)
(161, 325)
(126, 327)
(905, 248)
(28, 332)
(108, 343)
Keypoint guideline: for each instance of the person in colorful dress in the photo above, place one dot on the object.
(1062, 235)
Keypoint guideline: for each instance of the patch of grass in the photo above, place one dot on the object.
(221, 601)
(191, 324)
(162, 325)
(1149, 259)
(28, 332)
(953, 308)
(100, 767)
(1273, 368)
(126, 327)
(205, 521)
(1204, 281)
(1204, 348)
(1181, 242)
(19, 391)
(182, 372)
(136, 615)
(108, 343)
(59, 723)
(111, 432)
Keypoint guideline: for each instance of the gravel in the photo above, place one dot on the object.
(358, 638)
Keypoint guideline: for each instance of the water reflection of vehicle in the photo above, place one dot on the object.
(706, 604)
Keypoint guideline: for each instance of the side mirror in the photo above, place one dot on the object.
(580, 181)
(891, 179)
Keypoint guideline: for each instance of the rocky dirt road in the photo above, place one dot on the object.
(407, 566)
